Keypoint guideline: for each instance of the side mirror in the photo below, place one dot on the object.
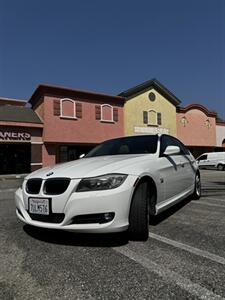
(82, 155)
(171, 150)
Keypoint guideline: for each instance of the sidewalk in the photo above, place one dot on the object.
(12, 176)
(9, 184)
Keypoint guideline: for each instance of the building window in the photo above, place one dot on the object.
(151, 96)
(68, 108)
(208, 124)
(184, 121)
(159, 118)
(152, 118)
(106, 113)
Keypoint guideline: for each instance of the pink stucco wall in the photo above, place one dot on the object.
(197, 129)
(85, 130)
(49, 154)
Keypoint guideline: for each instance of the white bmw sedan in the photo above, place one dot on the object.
(116, 187)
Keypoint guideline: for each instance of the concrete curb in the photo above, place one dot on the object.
(12, 176)
(8, 182)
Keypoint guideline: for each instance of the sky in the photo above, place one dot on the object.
(111, 46)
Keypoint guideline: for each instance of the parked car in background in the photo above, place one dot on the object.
(212, 160)
(116, 187)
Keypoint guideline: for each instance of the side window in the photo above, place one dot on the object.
(203, 157)
(185, 150)
(165, 141)
(170, 141)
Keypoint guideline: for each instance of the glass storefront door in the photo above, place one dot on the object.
(15, 158)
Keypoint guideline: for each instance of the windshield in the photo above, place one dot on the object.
(126, 145)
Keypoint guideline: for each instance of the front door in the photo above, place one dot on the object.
(176, 170)
(15, 158)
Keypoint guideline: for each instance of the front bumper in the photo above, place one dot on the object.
(74, 204)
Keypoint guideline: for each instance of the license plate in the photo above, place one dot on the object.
(39, 206)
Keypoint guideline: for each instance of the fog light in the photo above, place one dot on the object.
(108, 216)
(93, 218)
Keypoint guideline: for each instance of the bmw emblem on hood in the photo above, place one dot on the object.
(49, 174)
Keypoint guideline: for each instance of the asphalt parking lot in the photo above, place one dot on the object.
(184, 257)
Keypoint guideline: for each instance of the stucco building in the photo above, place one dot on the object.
(59, 124)
(197, 128)
(75, 121)
(20, 137)
(220, 133)
(150, 108)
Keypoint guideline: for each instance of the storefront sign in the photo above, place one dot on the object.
(14, 136)
(151, 130)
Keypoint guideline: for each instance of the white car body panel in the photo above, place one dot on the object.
(117, 200)
(93, 166)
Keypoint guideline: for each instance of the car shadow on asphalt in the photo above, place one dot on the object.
(219, 183)
(213, 191)
(62, 237)
(155, 220)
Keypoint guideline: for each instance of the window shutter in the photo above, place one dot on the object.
(115, 114)
(159, 118)
(97, 112)
(56, 107)
(79, 110)
(145, 117)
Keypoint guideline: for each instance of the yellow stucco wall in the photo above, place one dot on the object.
(135, 106)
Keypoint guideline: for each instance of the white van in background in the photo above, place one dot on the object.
(212, 160)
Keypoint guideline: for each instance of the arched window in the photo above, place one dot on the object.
(68, 108)
(106, 113)
(151, 117)
(184, 121)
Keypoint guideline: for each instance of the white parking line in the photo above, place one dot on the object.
(170, 276)
(196, 251)
(208, 204)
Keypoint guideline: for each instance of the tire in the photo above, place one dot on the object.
(197, 192)
(220, 167)
(139, 213)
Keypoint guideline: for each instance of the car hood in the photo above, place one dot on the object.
(93, 166)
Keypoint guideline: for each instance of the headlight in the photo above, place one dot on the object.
(104, 182)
